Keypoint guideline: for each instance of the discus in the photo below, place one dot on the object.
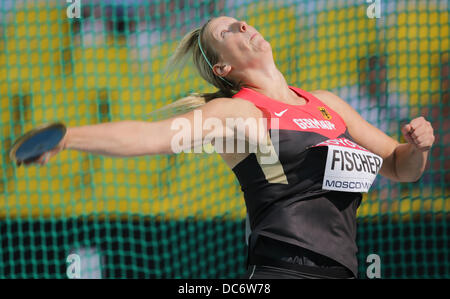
(30, 146)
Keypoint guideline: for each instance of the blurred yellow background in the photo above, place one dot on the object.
(48, 73)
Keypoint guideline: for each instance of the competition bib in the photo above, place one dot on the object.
(349, 167)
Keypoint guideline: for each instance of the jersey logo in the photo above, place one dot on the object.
(325, 113)
(280, 113)
(312, 123)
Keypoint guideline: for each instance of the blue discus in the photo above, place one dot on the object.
(36, 142)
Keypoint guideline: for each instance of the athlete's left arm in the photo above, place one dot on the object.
(401, 162)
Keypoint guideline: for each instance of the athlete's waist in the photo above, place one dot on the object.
(273, 253)
(332, 272)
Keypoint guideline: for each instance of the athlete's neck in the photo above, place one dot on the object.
(271, 83)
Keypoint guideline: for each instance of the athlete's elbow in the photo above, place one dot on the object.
(156, 147)
(411, 178)
(404, 177)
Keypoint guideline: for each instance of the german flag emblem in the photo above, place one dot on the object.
(325, 113)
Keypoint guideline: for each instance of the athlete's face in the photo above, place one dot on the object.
(238, 44)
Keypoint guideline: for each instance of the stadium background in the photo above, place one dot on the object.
(183, 216)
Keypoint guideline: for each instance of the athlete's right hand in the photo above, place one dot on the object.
(45, 157)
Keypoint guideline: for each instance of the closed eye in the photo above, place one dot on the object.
(222, 34)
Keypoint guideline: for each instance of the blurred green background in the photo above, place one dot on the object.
(183, 216)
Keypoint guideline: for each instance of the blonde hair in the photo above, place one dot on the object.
(204, 57)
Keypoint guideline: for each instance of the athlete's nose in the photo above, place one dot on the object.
(243, 26)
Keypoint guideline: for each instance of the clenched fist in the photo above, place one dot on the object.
(419, 133)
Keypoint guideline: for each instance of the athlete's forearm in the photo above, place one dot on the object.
(117, 139)
(409, 162)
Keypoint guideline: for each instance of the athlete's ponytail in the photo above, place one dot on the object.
(186, 104)
(204, 58)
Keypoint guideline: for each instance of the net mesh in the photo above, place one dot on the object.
(183, 216)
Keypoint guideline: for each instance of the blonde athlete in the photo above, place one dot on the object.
(302, 206)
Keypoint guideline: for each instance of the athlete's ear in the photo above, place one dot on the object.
(221, 70)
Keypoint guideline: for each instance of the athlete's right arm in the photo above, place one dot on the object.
(138, 138)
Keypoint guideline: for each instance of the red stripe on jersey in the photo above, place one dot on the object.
(314, 116)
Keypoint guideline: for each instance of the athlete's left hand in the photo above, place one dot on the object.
(419, 133)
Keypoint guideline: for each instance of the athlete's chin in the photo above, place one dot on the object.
(263, 46)
(266, 46)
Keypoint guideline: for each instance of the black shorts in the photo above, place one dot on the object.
(269, 272)
(272, 259)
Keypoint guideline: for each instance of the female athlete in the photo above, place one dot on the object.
(302, 206)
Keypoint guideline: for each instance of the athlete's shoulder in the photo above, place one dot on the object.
(324, 95)
(234, 107)
(332, 100)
